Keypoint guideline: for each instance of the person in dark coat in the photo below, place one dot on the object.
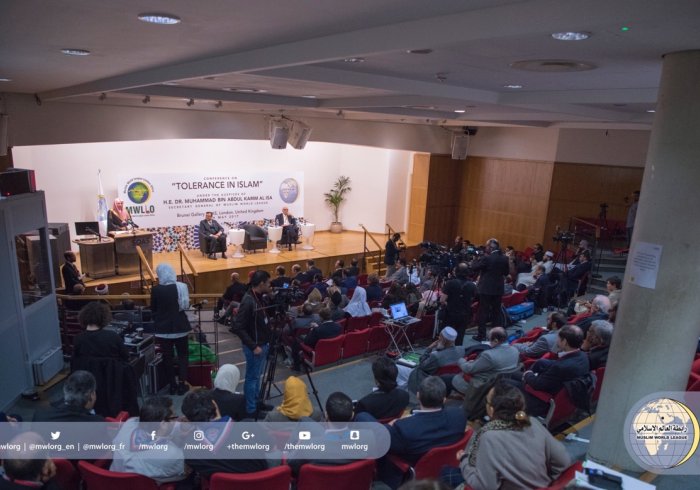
(493, 269)
(225, 394)
(72, 278)
(169, 300)
(328, 329)
(96, 341)
(214, 235)
(388, 400)
(391, 254)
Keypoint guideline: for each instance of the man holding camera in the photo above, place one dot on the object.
(493, 270)
(458, 294)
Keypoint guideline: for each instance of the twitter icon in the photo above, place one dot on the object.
(55, 435)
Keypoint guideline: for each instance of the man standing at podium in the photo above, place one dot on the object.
(214, 234)
(290, 234)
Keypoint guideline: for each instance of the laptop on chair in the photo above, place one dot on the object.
(400, 315)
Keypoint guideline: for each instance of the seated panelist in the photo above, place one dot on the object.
(213, 234)
(290, 231)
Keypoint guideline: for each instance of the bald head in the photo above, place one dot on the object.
(497, 335)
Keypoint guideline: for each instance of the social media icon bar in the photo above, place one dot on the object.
(304, 435)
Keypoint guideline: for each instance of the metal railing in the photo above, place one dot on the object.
(366, 250)
(186, 278)
(143, 264)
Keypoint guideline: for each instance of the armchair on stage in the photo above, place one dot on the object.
(255, 237)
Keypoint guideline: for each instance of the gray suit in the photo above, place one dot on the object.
(430, 362)
(501, 359)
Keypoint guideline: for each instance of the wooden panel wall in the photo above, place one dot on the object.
(505, 199)
(444, 191)
(579, 189)
(419, 197)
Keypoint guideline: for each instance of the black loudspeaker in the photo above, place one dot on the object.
(17, 181)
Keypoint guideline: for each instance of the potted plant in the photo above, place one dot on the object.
(335, 197)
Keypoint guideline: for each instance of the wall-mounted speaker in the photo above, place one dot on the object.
(460, 145)
(299, 135)
(279, 133)
(4, 121)
(17, 181)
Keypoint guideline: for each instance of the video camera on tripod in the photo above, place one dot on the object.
(285, 296)
(564, 237)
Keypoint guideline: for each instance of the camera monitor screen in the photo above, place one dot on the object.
(86, 227)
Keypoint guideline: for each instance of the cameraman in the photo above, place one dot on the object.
(252, 325)
(494, 269)
(458, 294)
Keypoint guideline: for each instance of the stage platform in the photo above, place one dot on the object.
(213, 276)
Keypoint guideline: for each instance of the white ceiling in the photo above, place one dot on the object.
(296, 48)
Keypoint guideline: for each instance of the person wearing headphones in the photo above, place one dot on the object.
(493, 269)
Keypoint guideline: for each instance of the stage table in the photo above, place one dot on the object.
(127, 258)
(96, 257)
(274, 233)
(236, 238)
(307, 231)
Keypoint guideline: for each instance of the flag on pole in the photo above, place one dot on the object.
(102, 210)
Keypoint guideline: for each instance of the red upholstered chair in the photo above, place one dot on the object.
(120, 417)
(67, 476)
(96, 478)
(449, 369)
(362, 280)
(357, 323)
(353, 476)
(355, 343)
(694, 387)
(327, 351)
(378, 339)
(375, 303)
(375, 319)
(565, 477)
(430, 464)
(561, 408)
(343, 325)
(424, 330)
(277, 478)
(530, 336)
(529, 361)
(507, 300)
(694, 375)
(599, 374)
(527, 253)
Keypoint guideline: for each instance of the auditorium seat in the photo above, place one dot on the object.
(277, 478)
(357, 323)
(362, 280)
(97, 478)
(530, 336)
(255, 238)
(431, 463)
(327, 351)
(353, 476)
(355, 343)
(564, 479)
(378, 339)
(67, 476)
(561, 408)
(599, 375)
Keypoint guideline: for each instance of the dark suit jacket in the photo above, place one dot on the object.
(598, 357)
(586, 323)
(552, 377)
(413, 436)
(167, 317)
(71, 277)
(494, 269)
(279, 220)
(326, 330)
(208, 229)
(383, 405)
(391, 253)
(579, 271)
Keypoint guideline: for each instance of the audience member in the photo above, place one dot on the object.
(442, 352)
(297, 274)
(96, 341)
(230, 402)
(600, 305)
(387, 400)
(311, 271)
(614, 287)
(374, 290)
(396, 294)
(457, 296)
(358, 304)
(500, 358)
(295, 404)
(597, 343)
(231, 298)
(164, 464)
(391, 254)
(318, 284)
(79, 395)
(200, 408)
(512, 451)
(546, 342)
(538, 252)
(28, 468)
(328, 329)
(354, 269)
(281, 281)
(400, 274)
(169, 300)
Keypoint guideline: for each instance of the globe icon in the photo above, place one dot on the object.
(138, 192)
(663, 434)
(289, 190)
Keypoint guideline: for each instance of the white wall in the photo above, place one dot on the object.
(614, 147)
(68, 173)
(515, 143)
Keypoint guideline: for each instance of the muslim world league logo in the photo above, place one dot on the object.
(289, 190)
(663, 433)
(139, 190)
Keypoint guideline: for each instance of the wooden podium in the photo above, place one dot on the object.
(97, 257)
(127, 257)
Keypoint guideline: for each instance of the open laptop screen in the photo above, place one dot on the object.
(398, 311)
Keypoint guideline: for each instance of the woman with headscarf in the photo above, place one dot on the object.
(512, 451)
(224, 393)
(169, 300)
(358, 303)
(119, 217)
(295, 405)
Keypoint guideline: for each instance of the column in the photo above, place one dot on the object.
(656, 332)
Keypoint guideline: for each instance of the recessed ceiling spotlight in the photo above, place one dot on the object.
(75, 52)
(460, 111)
(308, 96)
(5, 79)
(171, 83)
(354, 59)
(419, 51)
(571, 36)
(159, 18)
(651, 110)
(513, 86)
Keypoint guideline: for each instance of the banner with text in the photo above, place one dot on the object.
(182, 199)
